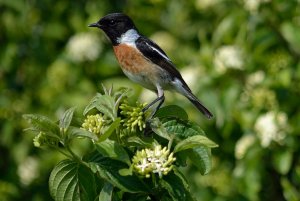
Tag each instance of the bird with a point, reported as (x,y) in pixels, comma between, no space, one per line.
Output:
(144,62)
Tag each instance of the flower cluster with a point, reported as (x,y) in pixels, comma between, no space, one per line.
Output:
(271,126)
(81,47)
(94,123)
(157,161)
(133,116)
(42,139)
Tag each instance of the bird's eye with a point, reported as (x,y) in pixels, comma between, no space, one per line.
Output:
(112,22)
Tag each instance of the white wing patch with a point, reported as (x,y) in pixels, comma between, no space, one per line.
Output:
(129,37)
(159,52)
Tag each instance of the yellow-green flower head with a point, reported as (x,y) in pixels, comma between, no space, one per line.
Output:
(93,123)
(133,116)
(157,160)
(42,139)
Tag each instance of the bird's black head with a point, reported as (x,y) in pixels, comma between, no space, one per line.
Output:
(114,25)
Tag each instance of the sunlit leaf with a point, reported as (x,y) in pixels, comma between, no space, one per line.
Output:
(66,119)
(106,192)
(194,141)
(104,104)
(110,130)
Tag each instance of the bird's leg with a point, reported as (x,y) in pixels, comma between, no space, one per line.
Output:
(152,103)
(148,128)
(160,99)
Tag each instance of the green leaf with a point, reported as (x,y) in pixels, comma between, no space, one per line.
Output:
(110,130)
(108,169)
(42,124)
(174,185)
(180,175)
(172,111)
(282,161)
(159,128)
(73,132)
(66,119)
(194,141)
(181,128)
(72,181)
(141,141)
(126,171)
(113,150)
(106,192)
(291,192)
(201,158)
(104,104)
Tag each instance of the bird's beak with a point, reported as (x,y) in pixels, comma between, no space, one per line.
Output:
(96,24)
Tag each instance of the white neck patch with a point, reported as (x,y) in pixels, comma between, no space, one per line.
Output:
(129,37)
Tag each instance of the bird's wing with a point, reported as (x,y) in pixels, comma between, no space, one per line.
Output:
(153,52)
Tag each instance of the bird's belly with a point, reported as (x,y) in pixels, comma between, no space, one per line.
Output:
(137,68)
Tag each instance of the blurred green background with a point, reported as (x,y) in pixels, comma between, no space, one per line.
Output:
(241,58)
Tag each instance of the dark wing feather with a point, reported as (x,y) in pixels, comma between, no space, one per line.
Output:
(153,52)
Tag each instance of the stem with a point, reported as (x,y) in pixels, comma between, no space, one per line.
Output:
(170,143)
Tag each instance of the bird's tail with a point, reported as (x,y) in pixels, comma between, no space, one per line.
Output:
(200,106)
(183,89)
(186,91)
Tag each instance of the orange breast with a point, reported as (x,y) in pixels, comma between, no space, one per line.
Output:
(131,60)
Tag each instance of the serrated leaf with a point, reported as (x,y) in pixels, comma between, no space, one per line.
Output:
(79,132)
(108,169)
(42,124)
(174,185)
(72,181)
(113,150)
(104,104)
(106,192)
(110,130)
(172,111)
(194,141)
(201,158)
(66,119)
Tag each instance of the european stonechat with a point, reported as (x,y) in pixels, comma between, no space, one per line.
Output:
(144,62)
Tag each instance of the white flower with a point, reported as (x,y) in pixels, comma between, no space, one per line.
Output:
(271,127)
(205,4)
(28,170)
(229,56)
(147,161)
(84,47)
(255,78)
(253,5)
(242,145)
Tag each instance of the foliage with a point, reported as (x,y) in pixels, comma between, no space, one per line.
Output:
(240,57)
(108,166)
